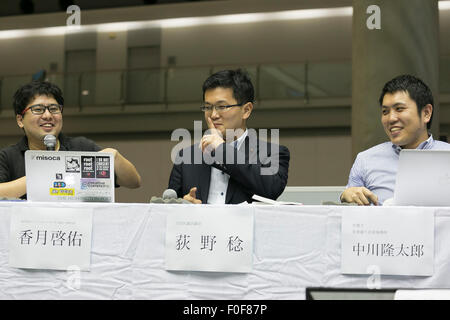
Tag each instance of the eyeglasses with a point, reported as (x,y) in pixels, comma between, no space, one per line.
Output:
(40,109)
(219,108)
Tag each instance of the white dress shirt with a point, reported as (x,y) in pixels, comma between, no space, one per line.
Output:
(219,180)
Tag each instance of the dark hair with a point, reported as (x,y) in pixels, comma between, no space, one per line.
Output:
(416,88)
(25,94)
(238,80)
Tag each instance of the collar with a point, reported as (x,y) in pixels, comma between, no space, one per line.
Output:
(238,142)
(427,144)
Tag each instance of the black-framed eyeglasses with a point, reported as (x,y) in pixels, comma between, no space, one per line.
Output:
(220,108)
(40,109)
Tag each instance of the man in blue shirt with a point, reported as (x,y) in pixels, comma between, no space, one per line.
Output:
(406,115)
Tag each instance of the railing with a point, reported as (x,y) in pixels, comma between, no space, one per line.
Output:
(164,86)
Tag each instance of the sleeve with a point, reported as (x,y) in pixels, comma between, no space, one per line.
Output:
(83,144)
(4,168)
(90,145)
(356,176)
(261,174)
(176,176)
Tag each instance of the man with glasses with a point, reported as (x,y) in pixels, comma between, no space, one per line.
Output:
(39,107)
(228,103)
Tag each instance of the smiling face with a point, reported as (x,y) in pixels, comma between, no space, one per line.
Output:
(402,122)
(231,118)
(36,127)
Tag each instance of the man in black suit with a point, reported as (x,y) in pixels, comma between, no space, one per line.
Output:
(230,164)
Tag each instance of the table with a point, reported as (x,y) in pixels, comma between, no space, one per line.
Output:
(294,247)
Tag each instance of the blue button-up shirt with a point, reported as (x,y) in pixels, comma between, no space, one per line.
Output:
(376,168)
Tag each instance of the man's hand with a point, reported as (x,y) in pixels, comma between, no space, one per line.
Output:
(191,196)
(125,171)
(111,150)
(360,195)
(212,140)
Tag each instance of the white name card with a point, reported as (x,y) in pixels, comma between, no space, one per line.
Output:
(388,240)
(50,238)
(210,238)
(422,294)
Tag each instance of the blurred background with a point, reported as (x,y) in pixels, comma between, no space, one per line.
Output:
(132,73)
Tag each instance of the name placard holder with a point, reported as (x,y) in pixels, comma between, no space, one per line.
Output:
(50,238)
(209,238)
(389,241)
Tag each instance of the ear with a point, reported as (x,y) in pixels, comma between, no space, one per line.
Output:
(19,119)
(427,111)
(247,109)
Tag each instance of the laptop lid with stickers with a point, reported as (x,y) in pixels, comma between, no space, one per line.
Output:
(79,176)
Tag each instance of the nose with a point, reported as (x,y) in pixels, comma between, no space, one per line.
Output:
(393,116)
(215,113)
(47,114)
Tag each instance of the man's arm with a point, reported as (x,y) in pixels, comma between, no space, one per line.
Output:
(13,189)
(356,191)
(175,179)
(257,176)
(10,188)
(125,171)
(264,179)
(176,182)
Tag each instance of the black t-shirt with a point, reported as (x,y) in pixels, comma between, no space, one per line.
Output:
(12,158)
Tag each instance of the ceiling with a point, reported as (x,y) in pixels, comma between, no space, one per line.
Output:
(22,7)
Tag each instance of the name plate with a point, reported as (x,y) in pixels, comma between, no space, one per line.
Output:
(50,238)
(210,238)
(389,241)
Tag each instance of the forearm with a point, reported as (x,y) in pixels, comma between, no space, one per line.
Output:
(261,174)
(13,189)
(126,173)
(175,180)
(251,177)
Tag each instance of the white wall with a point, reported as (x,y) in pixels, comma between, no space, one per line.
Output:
(263,42)
(28,55)
(444,32)
(111,50)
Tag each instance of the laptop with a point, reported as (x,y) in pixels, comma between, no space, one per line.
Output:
(423,178)
(79,176)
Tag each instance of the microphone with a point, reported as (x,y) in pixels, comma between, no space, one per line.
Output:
(50,142)
(169,196)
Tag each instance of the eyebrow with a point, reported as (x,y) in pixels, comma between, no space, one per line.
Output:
(395,105)
(217,102)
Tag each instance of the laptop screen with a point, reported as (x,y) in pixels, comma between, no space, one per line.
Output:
(423,178)
(79,176)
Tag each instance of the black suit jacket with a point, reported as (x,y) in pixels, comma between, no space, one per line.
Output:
(257,168)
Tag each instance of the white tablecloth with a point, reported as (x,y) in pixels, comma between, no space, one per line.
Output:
(294,248)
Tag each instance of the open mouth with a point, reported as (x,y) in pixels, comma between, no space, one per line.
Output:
(47,126)
(395,131)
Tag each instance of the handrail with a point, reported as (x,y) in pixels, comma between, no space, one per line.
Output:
(303,81)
